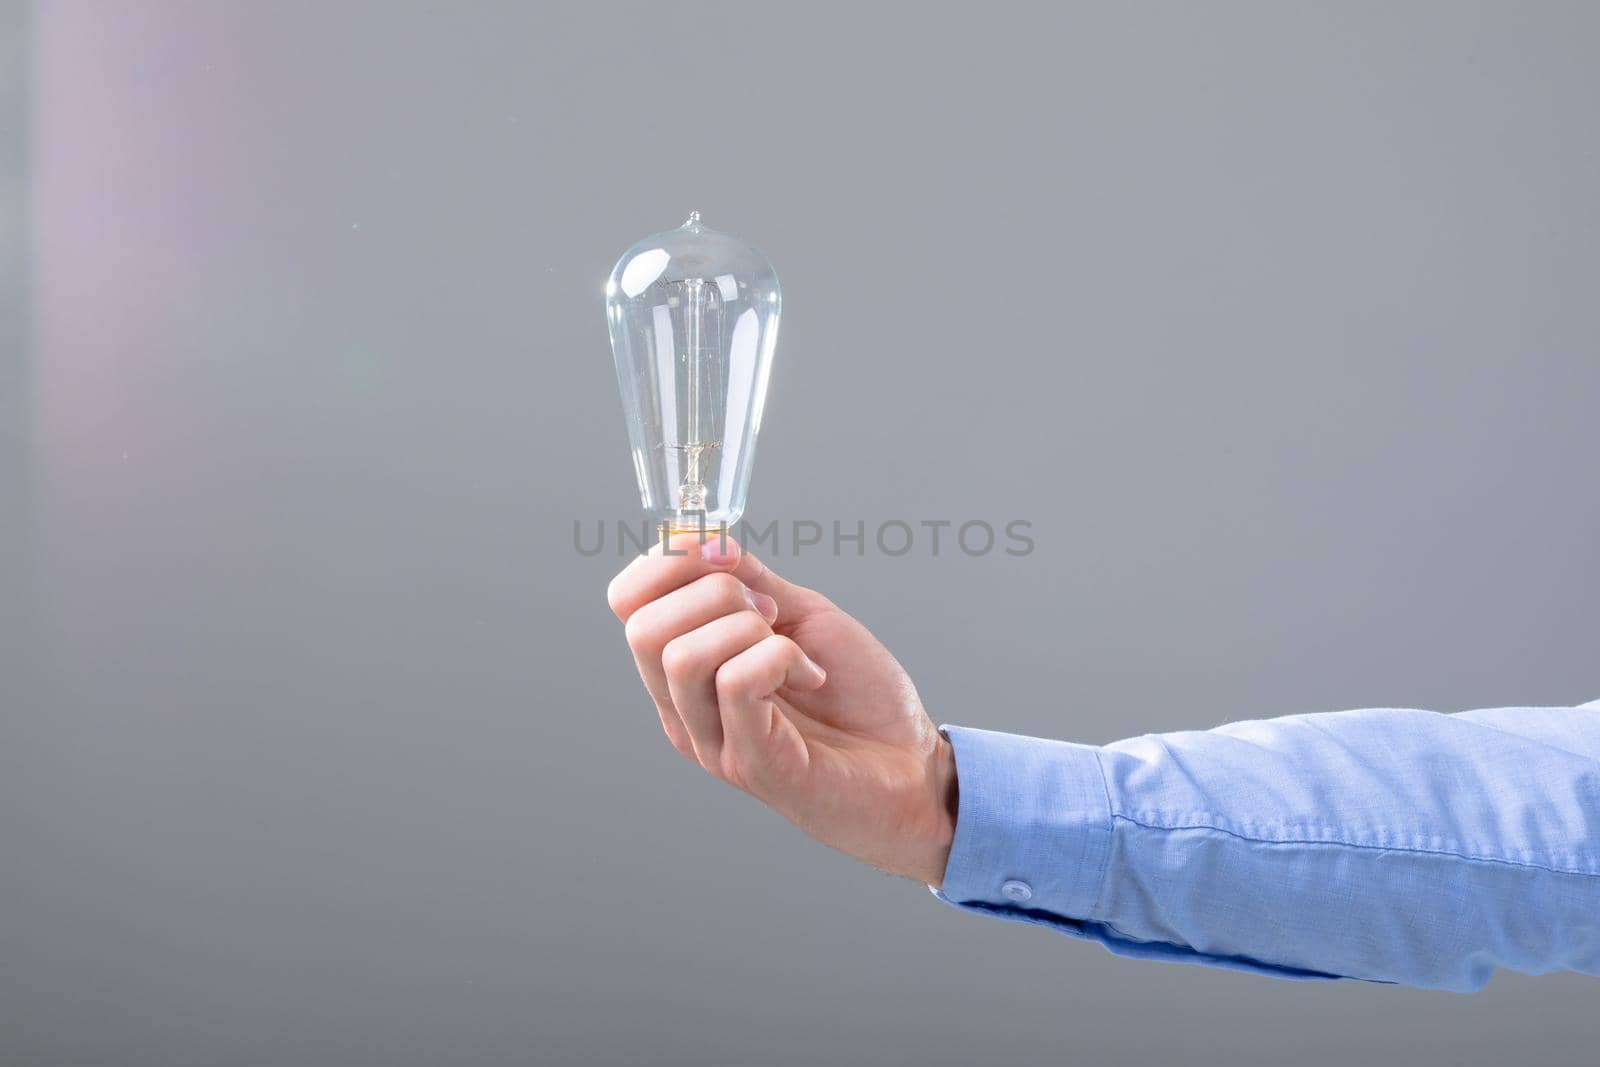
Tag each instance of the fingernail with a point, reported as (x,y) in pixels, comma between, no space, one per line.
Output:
(765,606)
(815,668)
(719,550)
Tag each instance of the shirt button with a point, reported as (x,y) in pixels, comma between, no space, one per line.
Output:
(1019,891)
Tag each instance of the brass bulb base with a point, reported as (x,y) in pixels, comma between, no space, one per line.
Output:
(667,530)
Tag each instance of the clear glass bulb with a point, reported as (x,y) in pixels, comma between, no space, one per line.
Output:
(694,319)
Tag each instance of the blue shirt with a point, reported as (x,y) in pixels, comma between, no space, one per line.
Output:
(1389,845)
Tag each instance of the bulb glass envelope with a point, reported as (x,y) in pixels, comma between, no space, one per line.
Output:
(693,315)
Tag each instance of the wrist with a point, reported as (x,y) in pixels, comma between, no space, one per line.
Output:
(942,802)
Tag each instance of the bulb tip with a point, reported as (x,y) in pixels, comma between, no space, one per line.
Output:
(694,219)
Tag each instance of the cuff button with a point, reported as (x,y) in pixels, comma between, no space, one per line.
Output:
(1017,891)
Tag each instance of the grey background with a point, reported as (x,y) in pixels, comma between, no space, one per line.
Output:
(319,745)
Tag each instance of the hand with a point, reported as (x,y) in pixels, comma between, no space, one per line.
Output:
(773,689)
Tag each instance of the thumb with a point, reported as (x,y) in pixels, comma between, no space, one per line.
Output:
(794,601)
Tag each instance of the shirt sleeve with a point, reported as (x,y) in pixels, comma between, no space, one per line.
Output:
(1390,845)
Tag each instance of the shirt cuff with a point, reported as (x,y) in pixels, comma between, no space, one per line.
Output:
(1033,824)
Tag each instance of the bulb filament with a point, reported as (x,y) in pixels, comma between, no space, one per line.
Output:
(692,491)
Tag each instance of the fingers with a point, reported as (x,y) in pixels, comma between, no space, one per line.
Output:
(686,558)
(713,605)
(664,569)
(722,678)
(690,663)
(652,627)
(794,601)
(760,746)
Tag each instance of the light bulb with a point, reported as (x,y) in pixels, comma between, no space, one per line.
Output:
(693,315)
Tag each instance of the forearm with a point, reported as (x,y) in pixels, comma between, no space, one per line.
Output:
(1391,845)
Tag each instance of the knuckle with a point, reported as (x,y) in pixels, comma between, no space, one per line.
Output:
(730,680)
(752,627)
(638,631)
(679,657)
